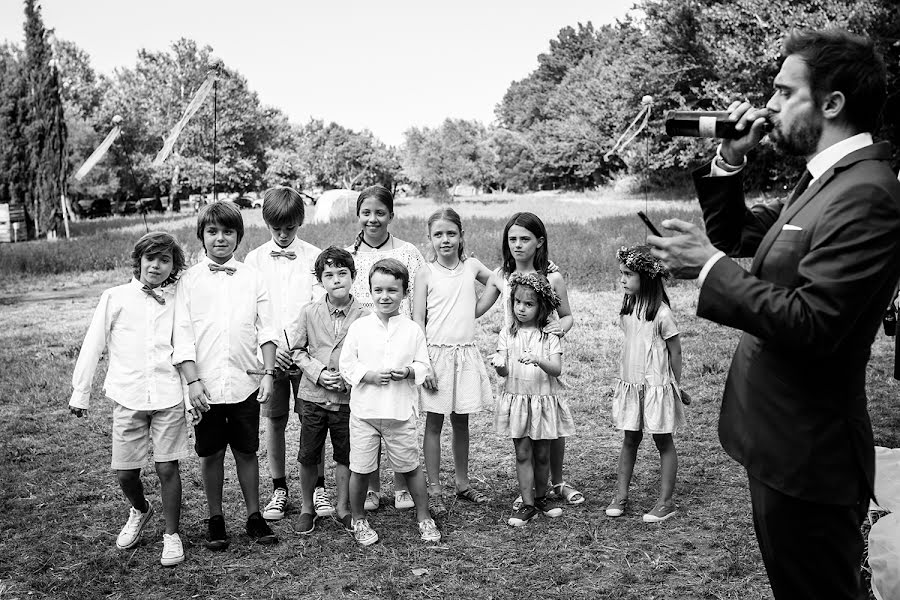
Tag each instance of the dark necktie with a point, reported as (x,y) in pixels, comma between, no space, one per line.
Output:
(214,267)
(800,188)
(149,291)
(288,254)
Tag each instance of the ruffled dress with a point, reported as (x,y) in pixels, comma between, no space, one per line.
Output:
(462,380)
(530,405)
(406,253)
(646,396)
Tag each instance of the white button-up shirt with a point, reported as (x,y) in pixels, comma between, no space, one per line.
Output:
(291,283)
(372,346)
(220,321)
(137,332)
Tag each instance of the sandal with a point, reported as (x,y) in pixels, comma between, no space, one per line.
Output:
(472,495)
(565,491)
(436,505)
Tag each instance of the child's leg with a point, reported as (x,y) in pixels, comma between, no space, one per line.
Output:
(212,471)
(275,446)
(525,469)
(668,466)
(557,454)
(416,482)
(375,482)
(359,485)
(308,476)
(540,450)
(460,424)
(342,482)
(627,458)
(247,467)
(313,429)
(434,422)
(130,482)
(170,490)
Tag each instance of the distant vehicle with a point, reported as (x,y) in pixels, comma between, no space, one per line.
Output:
(91,208)
(150,204)
(244,201)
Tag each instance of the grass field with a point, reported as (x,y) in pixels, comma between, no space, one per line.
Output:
(61,509)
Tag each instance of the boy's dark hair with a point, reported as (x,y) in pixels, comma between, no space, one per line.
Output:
(380,193)
(839,61)
(532,223)
(391,266)
(223,214)
(334,257)
(283,207)
(153,244)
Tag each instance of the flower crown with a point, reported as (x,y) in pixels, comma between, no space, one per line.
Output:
(640,260)
(539,284)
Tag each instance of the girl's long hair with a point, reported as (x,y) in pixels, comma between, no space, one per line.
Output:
(649,298)
(544,309)
(532,223)
(380,193)
(448,214)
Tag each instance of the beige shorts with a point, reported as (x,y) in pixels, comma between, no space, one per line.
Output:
(401,444)
(133,430)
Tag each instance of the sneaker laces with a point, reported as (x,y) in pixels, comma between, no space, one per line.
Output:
(428,527)
(133,524)
(321,499)
(172,545)
(279,499)
(404,496)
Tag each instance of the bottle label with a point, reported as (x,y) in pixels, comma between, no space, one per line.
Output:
(707,127)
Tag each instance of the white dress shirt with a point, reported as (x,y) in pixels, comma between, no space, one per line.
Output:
(372,346)
(137,332)
(816,166)
(291,283)
(220,321)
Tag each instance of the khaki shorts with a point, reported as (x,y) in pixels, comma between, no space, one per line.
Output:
(133,430)
(401,444)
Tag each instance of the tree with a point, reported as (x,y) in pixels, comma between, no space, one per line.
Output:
(14,159)
(438,159)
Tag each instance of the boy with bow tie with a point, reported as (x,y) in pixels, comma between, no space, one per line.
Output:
(134,322)
(222,316)
(286,265)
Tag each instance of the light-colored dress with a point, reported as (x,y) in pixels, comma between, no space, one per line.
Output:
(646,397)
(462,380)
(406,253)
(530,405)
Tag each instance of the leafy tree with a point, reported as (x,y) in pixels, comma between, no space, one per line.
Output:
(14,166)
(441,158)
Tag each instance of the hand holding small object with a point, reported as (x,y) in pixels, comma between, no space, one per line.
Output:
(498,361)
(398,374)
(283,359)
(529,358)
(194,416)
(198,395)
(684,254)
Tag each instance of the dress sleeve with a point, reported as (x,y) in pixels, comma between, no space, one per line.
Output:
(666,325)
(554,344)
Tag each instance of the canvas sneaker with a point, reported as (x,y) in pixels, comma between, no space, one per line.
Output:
(660,512)
(363,534)
(429,531)
(173,551)
(521,517)
(372,501)
(548,509)
(131,532)
(403,500)
(616,508)
(216,537)
(275,509)
(259,530)
(322,502)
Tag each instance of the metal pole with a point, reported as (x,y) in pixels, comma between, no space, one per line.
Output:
(215,135)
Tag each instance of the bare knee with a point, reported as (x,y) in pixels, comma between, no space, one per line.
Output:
(633,439)
(524,452)
(168,470)
(541,452)
(459,421)
(664,442)
(128,476)
(434,422)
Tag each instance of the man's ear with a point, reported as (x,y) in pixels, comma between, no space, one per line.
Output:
(833,104)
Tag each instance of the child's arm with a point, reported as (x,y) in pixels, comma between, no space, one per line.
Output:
(498,360)
(91,349)
(198,398)
(489,295)
(566,320)
(482,273)
(267,383)
(673,345)
(550,364)
(420,314)
(420,367)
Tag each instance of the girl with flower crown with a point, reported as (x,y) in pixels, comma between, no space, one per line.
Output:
(530,410)
(647,396)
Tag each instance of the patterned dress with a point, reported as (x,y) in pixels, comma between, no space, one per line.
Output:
(406,253)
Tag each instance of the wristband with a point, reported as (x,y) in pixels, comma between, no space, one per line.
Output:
(408,373)
(194,381)
(269,372)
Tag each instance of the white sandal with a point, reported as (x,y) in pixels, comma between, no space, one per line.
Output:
(559,492)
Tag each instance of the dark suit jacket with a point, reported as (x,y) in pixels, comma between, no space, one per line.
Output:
(794,407)
(317,348)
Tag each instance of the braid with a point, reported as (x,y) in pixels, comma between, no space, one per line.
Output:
(358,243)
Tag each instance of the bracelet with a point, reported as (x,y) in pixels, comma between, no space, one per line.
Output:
(194,381)
(725,165)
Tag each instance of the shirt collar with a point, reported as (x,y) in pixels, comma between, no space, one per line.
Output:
(232,262)
(831,155)
(333,309)
(294,246)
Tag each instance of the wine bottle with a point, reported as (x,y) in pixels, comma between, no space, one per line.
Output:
(703,123)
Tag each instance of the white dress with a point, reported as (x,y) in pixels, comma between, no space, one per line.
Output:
(406,253)
(458,367)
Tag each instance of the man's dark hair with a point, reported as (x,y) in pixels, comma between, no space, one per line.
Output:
(839,61)
(334,257)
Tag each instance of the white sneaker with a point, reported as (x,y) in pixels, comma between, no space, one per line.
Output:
(173,551)
(372,501)
(363,534)
(403,500)
(322,502)
(274,510)
(429,531)
(131,533)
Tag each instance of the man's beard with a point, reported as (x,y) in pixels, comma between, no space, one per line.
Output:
(803,139)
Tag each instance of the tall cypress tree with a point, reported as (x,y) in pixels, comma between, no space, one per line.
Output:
(14,159)
(46,129)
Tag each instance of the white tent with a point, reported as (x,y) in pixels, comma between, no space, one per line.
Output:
(334,204)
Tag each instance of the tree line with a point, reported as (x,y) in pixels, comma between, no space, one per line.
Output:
(553,129)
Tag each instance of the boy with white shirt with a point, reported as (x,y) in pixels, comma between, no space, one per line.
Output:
(222,316)
(134,323)
(286,263)
(384,358)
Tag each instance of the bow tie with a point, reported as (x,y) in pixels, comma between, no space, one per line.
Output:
(214,267)
(149,291)
(289,254)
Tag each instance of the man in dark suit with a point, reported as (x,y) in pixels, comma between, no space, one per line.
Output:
(825,264)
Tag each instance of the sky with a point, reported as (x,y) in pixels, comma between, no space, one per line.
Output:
(384,66)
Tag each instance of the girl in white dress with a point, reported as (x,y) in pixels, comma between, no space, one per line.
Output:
(647,396)
(444,306)
(375,210)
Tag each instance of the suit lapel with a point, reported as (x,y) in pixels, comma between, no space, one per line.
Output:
(352,314)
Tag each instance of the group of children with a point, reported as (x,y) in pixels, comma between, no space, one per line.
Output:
(362,338)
